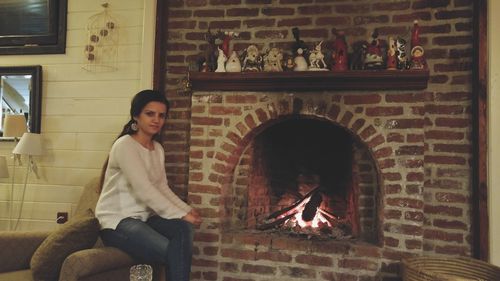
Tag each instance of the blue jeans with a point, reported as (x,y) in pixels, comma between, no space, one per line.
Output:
(159,240)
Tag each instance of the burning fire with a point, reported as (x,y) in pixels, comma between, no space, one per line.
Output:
(318,220)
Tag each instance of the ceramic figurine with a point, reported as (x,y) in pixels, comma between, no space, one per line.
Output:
(373,57)
(289,65)
(401,58)
(298,44)
(273,60)
(316,58)
(339,54)
(299,61)
(417,58)
(252,59)
(357,61)
(391,54)
(221,61)
(226,38)
(415,34)
(210,52)
(233,64)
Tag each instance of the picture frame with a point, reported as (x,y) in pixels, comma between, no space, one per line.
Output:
(33,27)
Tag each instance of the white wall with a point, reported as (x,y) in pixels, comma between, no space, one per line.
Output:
(494,129)
(82,112)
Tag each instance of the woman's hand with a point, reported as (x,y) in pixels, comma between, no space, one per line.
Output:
(193,217)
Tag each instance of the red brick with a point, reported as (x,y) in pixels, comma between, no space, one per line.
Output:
(451,197)
(414,216)
(362,264)
(278,11)
(406,123)
(405,203)
(259,23)
(225,24)
(352,8)
(383,152)
(410,150)
(196,3)
(391,176)
(210,13)
(443,184)
(259,269)
(453,14)
(384,111)
(449,224)
(452,122)
(411,17)
(451,40)
(242,12)
(314,10)
(238,254)
(392,214)
(294,22)
(387,163)
(456,148)
(314,260)
(395,137)
(423,4)
(452,160)
(391,242)
(444,135)
(357,125)
(406,98)
(392,189)
(274,256)
(332,21)
(434,234)
(346,118)
(453,250)
(413,244)
(362,99)
(368,19)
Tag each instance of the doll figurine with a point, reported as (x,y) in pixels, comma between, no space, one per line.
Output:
(417,58)
(273,60)
(221,60)
(339,54)
(373,57)
(233,63)
(316,58)
(391,54)
(401,58)
(299,61)
(252,59)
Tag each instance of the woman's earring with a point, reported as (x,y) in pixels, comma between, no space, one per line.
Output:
(133,126)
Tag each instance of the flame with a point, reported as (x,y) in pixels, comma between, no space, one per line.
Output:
(319,217)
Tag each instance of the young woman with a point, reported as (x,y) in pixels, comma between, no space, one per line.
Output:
(138,212)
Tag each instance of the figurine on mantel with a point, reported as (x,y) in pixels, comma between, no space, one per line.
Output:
(221,61)
(273,60)
(391,54)
(417,51)
(210,61)
(373,57)
(401,58)
(316,59)
(339,54)
(252,59)
(299,44)
(233,63)
(299,61)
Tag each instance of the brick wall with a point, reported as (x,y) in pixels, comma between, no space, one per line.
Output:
(420,140)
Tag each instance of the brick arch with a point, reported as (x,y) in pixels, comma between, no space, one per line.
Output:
(236,141)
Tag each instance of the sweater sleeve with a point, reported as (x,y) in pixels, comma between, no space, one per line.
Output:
(133,168)
(165,188)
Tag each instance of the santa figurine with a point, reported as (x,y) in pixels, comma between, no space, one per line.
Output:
(417,58)
(339,54)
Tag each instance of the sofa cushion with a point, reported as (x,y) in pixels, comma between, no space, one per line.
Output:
(79,233)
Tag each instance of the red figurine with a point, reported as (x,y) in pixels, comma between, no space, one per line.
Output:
(417,51)
(391,54)
(339,54)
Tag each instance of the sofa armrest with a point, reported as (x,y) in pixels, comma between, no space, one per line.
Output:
(93,261)
(18,247)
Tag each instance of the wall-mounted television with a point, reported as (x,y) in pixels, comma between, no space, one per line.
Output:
(33,27)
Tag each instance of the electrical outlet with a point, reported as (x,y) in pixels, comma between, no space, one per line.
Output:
(62,217)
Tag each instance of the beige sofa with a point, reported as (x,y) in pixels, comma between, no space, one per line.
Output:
(96,264)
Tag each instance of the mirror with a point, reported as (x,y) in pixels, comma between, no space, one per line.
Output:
(21,94)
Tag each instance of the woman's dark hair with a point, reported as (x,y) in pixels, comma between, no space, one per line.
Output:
(139,101)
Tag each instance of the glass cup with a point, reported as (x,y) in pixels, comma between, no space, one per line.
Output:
(141,272)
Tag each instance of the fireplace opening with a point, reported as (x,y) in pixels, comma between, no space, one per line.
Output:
(310,177)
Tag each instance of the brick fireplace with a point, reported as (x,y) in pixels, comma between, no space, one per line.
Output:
(407,187)
(406,195)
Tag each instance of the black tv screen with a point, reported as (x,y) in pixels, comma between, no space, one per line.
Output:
(32,26)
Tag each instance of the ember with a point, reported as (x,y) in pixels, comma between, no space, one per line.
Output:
(306,216)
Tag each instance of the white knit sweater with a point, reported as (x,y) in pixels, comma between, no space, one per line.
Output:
(135,185)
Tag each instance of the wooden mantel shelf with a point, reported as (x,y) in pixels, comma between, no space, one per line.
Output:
(310,80)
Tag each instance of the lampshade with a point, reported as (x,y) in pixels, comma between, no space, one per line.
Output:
(4,171)
(29,144)
(14,125)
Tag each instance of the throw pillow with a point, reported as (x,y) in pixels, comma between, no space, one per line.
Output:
(77,234)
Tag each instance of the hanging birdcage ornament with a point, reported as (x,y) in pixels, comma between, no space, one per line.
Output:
(101,50)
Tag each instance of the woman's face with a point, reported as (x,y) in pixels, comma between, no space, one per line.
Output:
(151,119)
